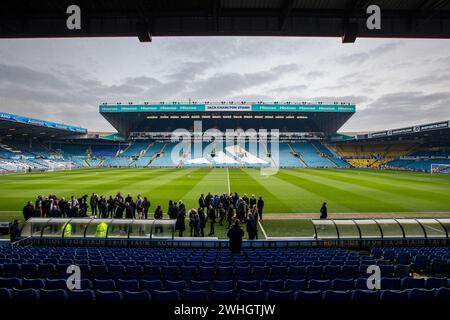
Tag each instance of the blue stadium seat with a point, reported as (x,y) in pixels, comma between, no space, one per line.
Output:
(250,295)
(46,271)
(170,272)
(321,285)
(151,272)
(387,271)
(10,283)
(365,295)
(349,271)
(151,285)
(267,285)
(243,273)
(224,273)
(171,295)
(54,295)
(5,294)
(205,273)
(295,285)
(54,284)
(391,284)
(29,270)
(308,295)
(188,272)
(394,295)
(421,295)
(223,285)
(343,284)
(314,272)
(104,285)
(439,267)
(134,272)
(82,295)
(261,273)
(442,294)
(216,295)
(296,272)
(143,295)
(332,295)
(28,295)
(10,270)
(403,258)
(194,295)
(117,271)
(278,272)
(99,272)
(251,285)
(411,283)
(175,285)
(420,263)
(402,270)
(199,285)
(33,284)
(127,285)
(277,295)
(109,295)
(432,282)
(332,271)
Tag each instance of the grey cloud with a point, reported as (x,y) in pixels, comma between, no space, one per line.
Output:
(402,109)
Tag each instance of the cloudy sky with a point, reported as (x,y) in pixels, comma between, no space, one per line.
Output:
(394,83)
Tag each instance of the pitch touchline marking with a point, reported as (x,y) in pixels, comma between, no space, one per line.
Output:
(262,229)
(228,178)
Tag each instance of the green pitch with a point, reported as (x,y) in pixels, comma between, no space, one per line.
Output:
(289,193)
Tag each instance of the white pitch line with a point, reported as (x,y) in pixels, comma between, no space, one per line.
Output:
(228,178)
(262,229)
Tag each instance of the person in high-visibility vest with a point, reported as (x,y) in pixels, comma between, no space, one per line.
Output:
(101,230)
(67,230)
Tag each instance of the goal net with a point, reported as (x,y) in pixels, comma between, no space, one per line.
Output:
(440,168)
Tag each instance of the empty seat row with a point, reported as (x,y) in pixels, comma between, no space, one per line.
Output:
(441,294)
(224,285)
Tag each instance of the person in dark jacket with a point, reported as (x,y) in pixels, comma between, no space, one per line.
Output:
(158,216)
(129,212)
(103,207)
(202,202)
(94,203)
(324,211)
(235,234)
(118,214)
(251,227)
(212,219)
(252,201)
(202,221)
(28,211)
(14,230)
(146,205)
(230,215)
(111,207)
(260,206)
(179,225)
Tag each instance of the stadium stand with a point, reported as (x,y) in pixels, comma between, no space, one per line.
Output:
(216,274)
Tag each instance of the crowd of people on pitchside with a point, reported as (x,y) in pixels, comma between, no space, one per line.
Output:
(212,209)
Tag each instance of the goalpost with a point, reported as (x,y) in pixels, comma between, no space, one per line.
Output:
(437,168)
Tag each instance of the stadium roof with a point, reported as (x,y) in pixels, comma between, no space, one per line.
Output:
(145,19)
(14,126)
(436,132)
(287,116)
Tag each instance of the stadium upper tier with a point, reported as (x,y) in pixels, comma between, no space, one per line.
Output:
(171,154)
(321,118)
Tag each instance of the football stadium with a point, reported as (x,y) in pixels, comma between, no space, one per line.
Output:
(224,201)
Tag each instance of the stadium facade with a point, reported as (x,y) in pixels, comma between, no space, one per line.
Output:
(305,135)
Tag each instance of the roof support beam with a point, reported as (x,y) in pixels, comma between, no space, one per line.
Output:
(286,10)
